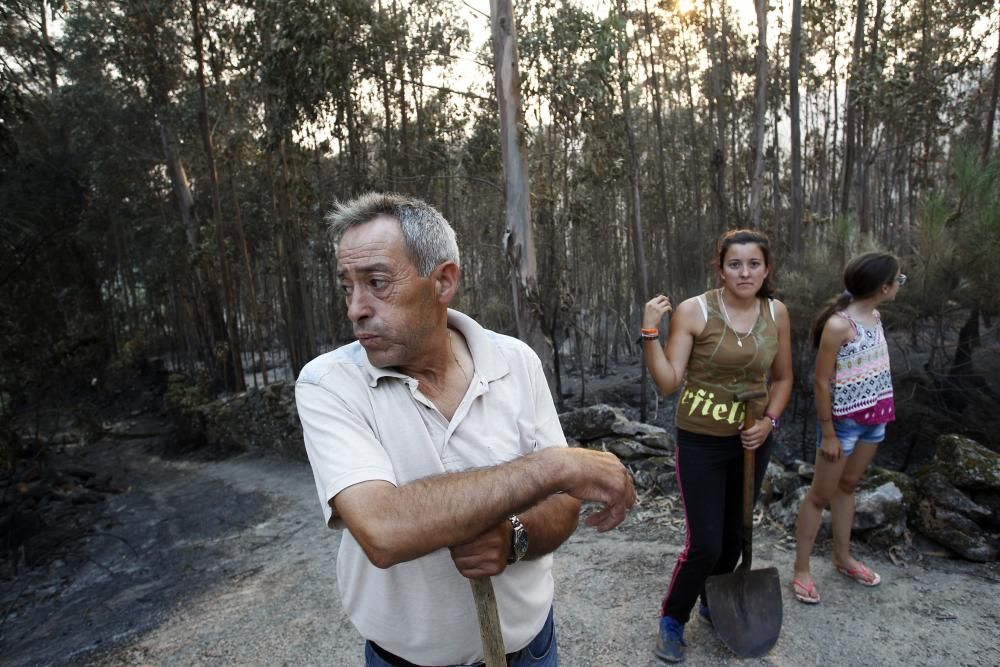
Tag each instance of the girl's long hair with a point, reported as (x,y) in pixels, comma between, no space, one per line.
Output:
(864,276)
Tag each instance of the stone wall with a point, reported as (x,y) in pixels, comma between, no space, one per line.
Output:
(257,419)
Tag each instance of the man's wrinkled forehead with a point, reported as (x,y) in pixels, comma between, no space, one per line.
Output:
(372,247)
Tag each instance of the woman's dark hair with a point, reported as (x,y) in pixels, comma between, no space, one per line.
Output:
(864,276)
(739,237)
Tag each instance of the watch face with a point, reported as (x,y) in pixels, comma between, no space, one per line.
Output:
(520,543)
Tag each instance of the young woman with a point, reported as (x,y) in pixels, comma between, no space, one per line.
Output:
(727,341)
(854,402)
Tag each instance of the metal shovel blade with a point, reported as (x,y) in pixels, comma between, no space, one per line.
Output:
(746,609)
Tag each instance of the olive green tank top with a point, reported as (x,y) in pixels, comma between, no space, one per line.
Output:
(723,364)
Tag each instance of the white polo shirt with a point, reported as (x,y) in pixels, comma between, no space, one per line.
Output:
(363,423)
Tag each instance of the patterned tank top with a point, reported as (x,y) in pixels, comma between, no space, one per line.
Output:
(723,364)
(862,385)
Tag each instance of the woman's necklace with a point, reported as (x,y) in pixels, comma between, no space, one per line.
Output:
(739,338)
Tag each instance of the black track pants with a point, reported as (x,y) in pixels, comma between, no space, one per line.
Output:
(710,479)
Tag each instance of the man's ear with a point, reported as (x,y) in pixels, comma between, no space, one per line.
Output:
(445,277)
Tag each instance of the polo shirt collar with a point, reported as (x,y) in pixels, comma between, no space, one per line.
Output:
(490,363)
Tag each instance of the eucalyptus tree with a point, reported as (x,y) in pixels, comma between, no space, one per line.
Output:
(760,110)
(519,242)
(795,120)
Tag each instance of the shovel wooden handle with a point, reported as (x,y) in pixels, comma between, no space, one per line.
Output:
(748,475)
(489,622)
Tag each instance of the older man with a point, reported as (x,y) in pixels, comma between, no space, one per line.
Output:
(435,442)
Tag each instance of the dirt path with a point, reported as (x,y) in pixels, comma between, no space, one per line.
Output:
(227,562)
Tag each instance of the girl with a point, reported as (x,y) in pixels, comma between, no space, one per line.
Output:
(723,342)
(854,402)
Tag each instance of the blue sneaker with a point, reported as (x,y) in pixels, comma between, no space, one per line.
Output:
(670,642)
(704,613)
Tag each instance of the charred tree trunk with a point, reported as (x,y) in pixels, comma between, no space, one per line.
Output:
(518,240)
(798,198)
(641,276)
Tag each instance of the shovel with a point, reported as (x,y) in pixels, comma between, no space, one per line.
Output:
(746,604)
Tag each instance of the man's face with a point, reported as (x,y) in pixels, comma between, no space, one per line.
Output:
(393,309)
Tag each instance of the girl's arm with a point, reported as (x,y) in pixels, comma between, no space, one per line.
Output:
(668,364)
(781,382)
(836,332)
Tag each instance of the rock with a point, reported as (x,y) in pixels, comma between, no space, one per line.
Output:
(786,510)
(991,501)
(604,421)
(778,483)
(655,474)
(967,464)
(954,531)
(626,448)
(942,494)
(877,476)
(889,535)
(877,507)
(805,470)
(591,422)
(652,437)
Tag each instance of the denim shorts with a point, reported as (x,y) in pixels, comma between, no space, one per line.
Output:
(849,432)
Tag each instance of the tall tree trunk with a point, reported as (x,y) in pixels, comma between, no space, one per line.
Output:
(694,182)
(798,198)
(518,240)
(851,105)
(641,277)
(718,158)
(233,349)
(51,57)
(760,111)
(865,152)
(661,171)
(992,112)
(302,332)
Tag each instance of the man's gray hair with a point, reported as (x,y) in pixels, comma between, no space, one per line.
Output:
(428,237)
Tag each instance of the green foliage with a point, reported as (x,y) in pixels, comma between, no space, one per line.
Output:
(957,241)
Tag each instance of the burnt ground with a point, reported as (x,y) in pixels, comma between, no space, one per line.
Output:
(197,557)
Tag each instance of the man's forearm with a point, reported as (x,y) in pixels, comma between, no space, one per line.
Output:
(550,523)
(396,524)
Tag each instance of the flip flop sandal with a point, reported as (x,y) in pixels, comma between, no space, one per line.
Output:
(862,575)
(810,596)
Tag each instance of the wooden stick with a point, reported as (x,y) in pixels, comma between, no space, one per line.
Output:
(489,622)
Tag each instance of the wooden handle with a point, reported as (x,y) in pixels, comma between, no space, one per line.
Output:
(748,470)
(748,475)
(489,622)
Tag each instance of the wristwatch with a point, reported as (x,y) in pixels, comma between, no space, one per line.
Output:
(518,540)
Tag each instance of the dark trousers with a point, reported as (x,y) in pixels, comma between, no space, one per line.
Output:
(710,479)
